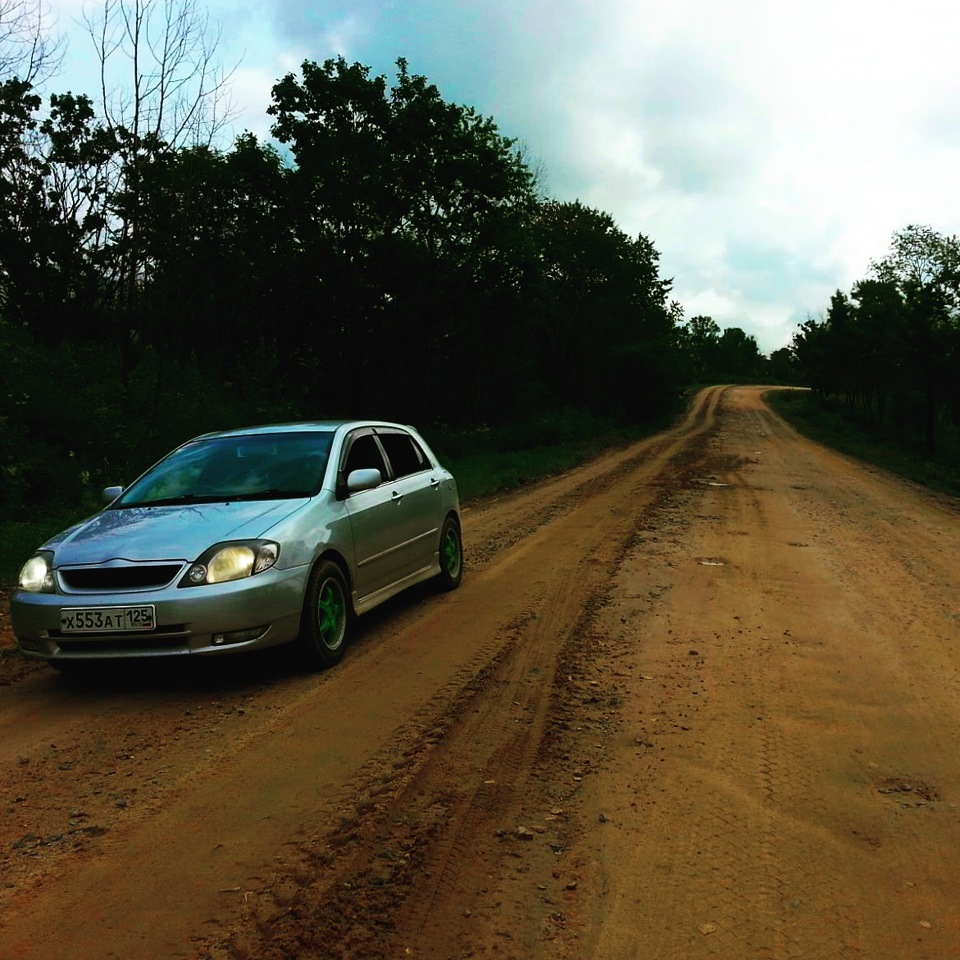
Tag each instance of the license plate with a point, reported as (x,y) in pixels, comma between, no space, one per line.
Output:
(107,619)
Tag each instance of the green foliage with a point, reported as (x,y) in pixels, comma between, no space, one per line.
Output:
(410,215)
(600,306)
(552,428)
(782,368)
(891,349)
(712,355)
(479,475)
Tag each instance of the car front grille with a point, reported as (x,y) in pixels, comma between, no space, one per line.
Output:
(132,577)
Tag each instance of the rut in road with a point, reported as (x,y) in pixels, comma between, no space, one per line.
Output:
(429,851)
(785,783)
(727,724)
(216,805)
(696,699)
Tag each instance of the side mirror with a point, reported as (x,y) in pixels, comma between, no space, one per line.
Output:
(367,479)
(111,493)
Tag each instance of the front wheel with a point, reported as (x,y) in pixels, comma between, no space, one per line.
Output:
(326,616)
(451,555)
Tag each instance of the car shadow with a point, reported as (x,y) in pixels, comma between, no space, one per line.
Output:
(201,675)
(236,673)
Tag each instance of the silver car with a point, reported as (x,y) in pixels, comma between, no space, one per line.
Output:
(245,539)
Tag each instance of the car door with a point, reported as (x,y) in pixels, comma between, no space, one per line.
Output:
(376,520)
(416,483)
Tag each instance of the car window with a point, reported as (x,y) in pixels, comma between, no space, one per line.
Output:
(364,454)
(404,453)
(250,467)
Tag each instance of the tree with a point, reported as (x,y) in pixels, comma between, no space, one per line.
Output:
(216,231)
(161,88)
(27,51)
(924,267)
(700,339)
(713,355)
(51,209)
(783,366)
(738,357)
(601,311)
(408,214)
(879,350)
(894,342)
(160,79)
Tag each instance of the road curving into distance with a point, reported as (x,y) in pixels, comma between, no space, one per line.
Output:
(700,697)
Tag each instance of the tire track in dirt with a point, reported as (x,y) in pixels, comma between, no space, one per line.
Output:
(789,707)
(767,798)
(288,786)
(525,685)
(459,808)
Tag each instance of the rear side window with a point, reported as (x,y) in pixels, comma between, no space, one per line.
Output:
(404,452)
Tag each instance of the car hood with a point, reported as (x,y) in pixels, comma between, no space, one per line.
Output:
(166,533)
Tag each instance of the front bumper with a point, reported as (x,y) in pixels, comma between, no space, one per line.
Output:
(189,620)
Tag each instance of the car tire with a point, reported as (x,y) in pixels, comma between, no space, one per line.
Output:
(451,555)
(327,616)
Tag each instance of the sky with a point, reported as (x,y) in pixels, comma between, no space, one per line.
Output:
(768,149)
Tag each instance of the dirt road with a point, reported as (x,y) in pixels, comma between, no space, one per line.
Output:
(700,698)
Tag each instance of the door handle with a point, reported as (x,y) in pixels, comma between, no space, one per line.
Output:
(396,497)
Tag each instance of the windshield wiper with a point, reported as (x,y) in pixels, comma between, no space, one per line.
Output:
(274,493)
(184,498)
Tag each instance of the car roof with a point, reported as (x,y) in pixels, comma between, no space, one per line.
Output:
(304,426)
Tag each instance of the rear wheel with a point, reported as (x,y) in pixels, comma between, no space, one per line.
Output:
(451,555)
(326,616)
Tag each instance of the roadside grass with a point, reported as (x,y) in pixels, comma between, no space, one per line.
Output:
(493,461)
(836,427)
(484,461)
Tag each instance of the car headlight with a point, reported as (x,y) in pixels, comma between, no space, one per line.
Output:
(231,561)
(36,575)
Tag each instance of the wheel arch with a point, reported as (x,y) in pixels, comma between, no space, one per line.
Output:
(329,553)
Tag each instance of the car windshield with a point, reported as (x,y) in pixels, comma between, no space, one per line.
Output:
(268,466)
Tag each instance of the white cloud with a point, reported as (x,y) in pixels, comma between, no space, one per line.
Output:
(730,130)
(250,95)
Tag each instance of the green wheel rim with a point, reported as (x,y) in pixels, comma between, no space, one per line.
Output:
(331,614)
(451,553)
